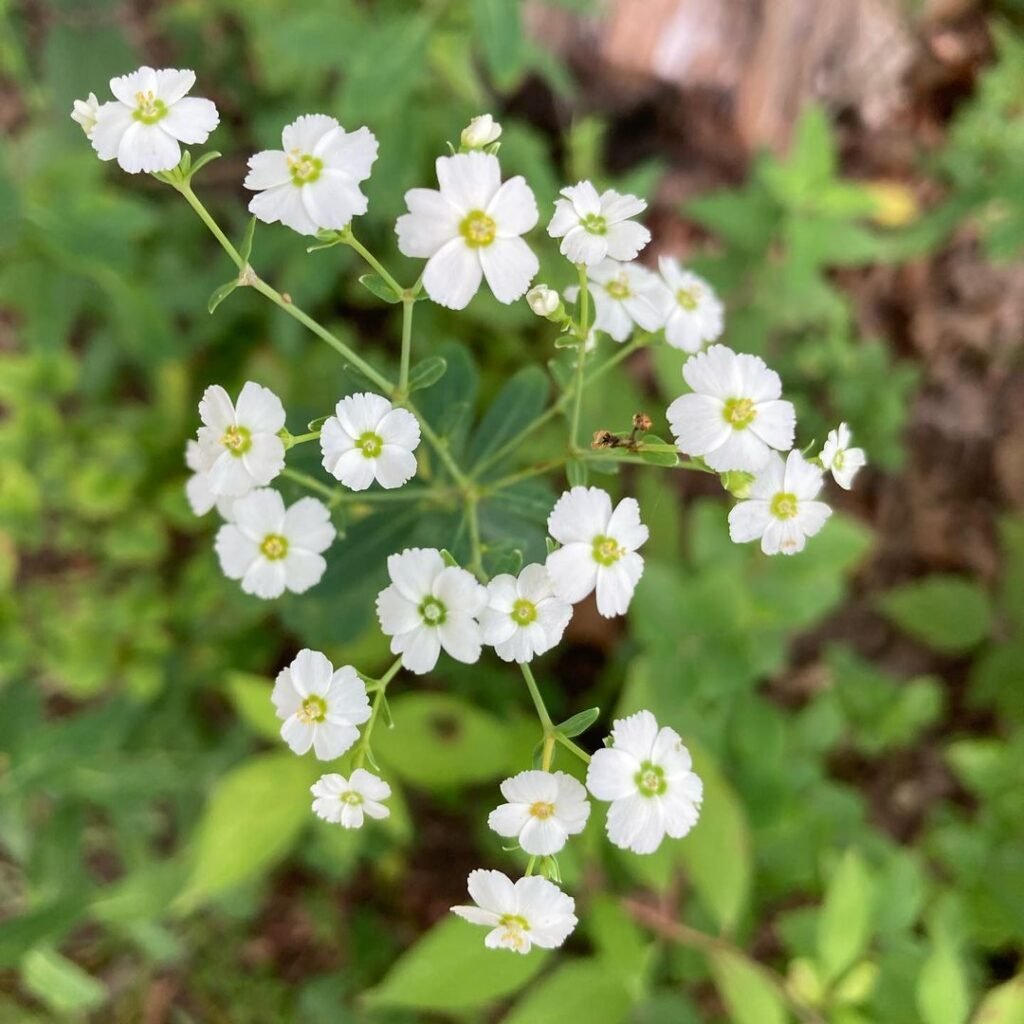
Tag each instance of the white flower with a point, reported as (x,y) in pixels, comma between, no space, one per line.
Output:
(470,229)
(197,488)
(598,548)
(624,294)
(735,415)
(593,227)
(523,617)
(345,802)
(481,131)
(368,439)
(271,549)
(313,181)
(530,912)
(152,115)
(693,312)
(544,301)
(543,810)
(320,708)
(239,444)
(84,113)
(647,775)
(781,509)
(430,605)
(840,458)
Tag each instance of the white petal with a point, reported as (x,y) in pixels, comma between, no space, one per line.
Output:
(191,120)
(742,450)
(303,569)
(469,180)
(264,459)
(147,147)
(267,170)
(636,734)
(493,891)
(431,222)
(513,208)
(215,409)
(369,785)
(396,613)
(584,198)
(125,87)
(616,207)
(611,774)
(616,583)
(420,648)
(453,274)
(573,571)
(414,570)
(474,915)
(200,498)
(775,424)
(394,466)
(259,513)
(283,204)
(307,525)
(353,469)
(714,372)
(171,84)
(460,637)
(265,579)
(509,266)
(580,246)
(508,819)
(311,673)
(811,516)
(305,132)
(259,409)
(399,427)
(580,514)
(636,824)
(351,152)
(543,837)
(235,551)
(625,240)
(698,423)
(625,526)
(347,700)
(564,219)
(362,412)
(112,121)
(459,591)
(285,696)
(756,381)
(783,536)
(298,735)
(332,200)
(802,478)
(331,741)
(748,520)
(770,478)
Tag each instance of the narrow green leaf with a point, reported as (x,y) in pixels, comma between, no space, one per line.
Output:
(746,989)
(664,455)
(941,991)
(576,472)
(199,164)
(220,294)
(60,983)
(245,249)
(428,372)
(519,402)
(579,723)
(844,924)
(1003,1004)
(378,286)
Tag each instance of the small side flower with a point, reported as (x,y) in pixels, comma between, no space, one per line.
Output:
(543,810)
(524,617)
(625,295)
(842,461)
(694,316)
(594,227)
(482,131)
(348,802)
(83,113)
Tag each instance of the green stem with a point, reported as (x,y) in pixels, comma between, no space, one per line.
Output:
(476,559)
(574,748)
(408,302)
(538,700)
(337,495)
(440,446)
(352,242)
(523,474)
(635,459)
(293,439)
(581,355)
(378,701)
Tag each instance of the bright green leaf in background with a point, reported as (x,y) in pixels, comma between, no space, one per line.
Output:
(581,990)
(948,613)
(844,924)
(747,990)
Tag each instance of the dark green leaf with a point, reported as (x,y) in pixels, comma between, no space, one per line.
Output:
(375,284)
(579,723)
(427,372)
(220,294)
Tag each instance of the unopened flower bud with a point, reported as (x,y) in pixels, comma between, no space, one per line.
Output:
(544,301)
(481,131)
(642,422)
(604,439)
(84,113)
(737,483)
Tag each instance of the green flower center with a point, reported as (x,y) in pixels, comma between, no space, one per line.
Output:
(650,780)
(237,440)
(838,459)
(524,612)
(607,550)
(148,109)
(618,288)
(784,506)
(542,809)
(739,413)
(432,611)
(304,167)
(687,298)
(594,224)
(370,444)
(514,926)
(313,709)
(350,796)
(274,547)
(478,229)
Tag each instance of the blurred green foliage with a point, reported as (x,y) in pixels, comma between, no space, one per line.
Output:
(151,823)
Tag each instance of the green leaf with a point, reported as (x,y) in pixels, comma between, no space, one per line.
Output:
(250,822)
(844,924)
(245,249)
(378,286)
(579,723)
(50,921)
(250,696)
(498,30)
(588,990)
(449,968)
(518,404)
(440,741)
(427,372)
(948,613)
(658,457)
(198,165)
(576,472)
(941,991)
(60,983)
(746,989)
(220,294)
(1003,1004)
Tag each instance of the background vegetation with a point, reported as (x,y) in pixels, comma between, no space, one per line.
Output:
(856,712)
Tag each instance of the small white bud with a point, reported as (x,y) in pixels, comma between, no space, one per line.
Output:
(481,131)
(84,113)
(544,301)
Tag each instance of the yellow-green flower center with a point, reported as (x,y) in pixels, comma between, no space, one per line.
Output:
(739,413)
(478,229)
(370,444)
(784,506)
(514,925)
(594,224)
(237,440)
(148,109)
(618,287)
(350,796)
(542,809)
(524,612)
(313,709)
(607,550)
(650,780)
(304,167)
(274,547)
(687,298)
(838,459)
(432,611)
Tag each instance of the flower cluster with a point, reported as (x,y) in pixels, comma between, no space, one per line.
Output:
(732,421)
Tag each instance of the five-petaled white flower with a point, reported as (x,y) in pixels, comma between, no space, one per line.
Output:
(368,439)
(593,227)
(624,294)
(543,810)
(693,312)
(83,112)
(272,549)
(152,115)
(320,708)
(598,548)
(529,912)
(647,775)
(840,459)
(735,415)
(470,229)
(313,182)
(346,802)
(430,605)
(197,488)
(481,131)
(781,509)
(523,617)
(239,443)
